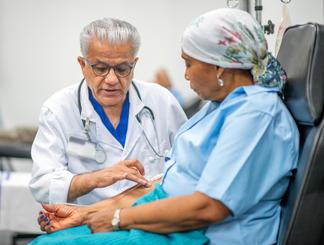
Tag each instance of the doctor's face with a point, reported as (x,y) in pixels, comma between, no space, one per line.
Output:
(108,70)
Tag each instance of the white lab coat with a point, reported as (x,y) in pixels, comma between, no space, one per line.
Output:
(53,169)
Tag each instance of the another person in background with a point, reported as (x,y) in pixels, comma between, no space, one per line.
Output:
(230,164)
(100,137)
(162,77)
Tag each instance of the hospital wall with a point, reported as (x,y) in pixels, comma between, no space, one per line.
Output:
(39,43)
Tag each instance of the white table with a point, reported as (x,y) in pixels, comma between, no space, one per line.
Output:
(18,208)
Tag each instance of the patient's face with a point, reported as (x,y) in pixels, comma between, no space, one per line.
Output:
(203,78)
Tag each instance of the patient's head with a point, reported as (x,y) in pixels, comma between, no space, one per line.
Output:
(225,49)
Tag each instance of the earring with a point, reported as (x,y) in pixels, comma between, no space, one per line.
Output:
(220,82)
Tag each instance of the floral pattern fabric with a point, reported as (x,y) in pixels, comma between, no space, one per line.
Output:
(232,38)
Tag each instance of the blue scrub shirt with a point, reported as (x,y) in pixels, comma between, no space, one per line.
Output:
(240,152)
(120,132)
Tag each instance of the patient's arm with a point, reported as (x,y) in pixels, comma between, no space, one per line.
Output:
(55,217)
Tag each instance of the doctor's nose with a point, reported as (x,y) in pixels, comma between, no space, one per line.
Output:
(111,77)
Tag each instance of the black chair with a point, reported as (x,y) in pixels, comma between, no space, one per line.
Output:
(16,150)
(302,55)
(13,150)
(194,107)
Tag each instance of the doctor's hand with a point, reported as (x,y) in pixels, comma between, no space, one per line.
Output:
(127,169)
(56,217)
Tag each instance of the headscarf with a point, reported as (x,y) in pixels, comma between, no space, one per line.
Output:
(232,38)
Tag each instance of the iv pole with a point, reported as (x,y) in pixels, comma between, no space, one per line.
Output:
(269,28)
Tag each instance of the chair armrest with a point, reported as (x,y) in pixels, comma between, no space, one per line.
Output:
(16,150)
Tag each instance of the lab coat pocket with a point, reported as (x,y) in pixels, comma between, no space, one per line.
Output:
(79,165)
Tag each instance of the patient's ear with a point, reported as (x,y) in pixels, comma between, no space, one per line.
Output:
(219,71)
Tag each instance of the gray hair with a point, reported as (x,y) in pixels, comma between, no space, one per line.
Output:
(114,31)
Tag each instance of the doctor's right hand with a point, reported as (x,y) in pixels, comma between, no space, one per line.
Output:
(127,169)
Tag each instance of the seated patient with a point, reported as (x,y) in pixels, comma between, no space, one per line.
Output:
(230,163)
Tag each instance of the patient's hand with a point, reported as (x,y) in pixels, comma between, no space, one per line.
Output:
(56,217)
(100,221)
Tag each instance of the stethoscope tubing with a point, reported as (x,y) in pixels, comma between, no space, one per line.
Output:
(86,123)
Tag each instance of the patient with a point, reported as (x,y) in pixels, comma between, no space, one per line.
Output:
(230,164)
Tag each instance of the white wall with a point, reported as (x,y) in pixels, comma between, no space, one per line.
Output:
(301,12)
(39,45)
(39,42)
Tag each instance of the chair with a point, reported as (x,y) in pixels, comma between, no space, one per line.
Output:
(193,108)
(302,56)
(15,143)
(13,150)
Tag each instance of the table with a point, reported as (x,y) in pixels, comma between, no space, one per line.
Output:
(18,208)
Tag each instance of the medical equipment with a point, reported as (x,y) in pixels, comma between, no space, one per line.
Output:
(89,149)
(269,27)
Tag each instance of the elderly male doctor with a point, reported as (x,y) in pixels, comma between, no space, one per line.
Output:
(102,136)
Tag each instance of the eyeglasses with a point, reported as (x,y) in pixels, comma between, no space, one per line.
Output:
(102,69)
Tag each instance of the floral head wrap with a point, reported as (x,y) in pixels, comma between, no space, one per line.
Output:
(232,38)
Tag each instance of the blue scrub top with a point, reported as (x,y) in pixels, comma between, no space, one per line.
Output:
(120,132)
(240,152)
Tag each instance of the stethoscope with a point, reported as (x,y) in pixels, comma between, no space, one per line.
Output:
(100,154)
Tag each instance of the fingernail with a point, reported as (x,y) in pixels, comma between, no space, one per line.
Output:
(47,219)
(42,216)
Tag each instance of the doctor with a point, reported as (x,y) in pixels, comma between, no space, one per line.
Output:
(107,133)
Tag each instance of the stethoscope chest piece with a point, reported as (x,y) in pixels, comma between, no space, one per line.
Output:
(100,156)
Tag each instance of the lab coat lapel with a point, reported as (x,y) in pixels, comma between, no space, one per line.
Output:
(98,132)
(134,130)
(87,110)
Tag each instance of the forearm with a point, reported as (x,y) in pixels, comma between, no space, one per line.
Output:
(84,183)
(174,214)
(127,169)
(122,200)
(81,185)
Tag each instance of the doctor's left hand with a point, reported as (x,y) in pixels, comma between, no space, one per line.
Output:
(127,169)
